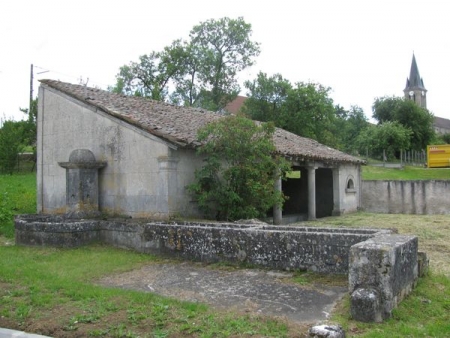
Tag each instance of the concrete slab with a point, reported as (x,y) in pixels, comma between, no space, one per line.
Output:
(270,293)
(7,333)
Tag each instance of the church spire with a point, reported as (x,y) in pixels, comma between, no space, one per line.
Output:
(415,89)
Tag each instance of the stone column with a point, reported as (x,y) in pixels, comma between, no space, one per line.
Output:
(82,184)
(168,185)
(337,192)
(277,209)
(311,192)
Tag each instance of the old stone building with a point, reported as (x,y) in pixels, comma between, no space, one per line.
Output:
(144,152)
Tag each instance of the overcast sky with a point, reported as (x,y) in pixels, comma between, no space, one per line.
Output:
(361,49)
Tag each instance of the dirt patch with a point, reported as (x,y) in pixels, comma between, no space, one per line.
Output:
(254,291)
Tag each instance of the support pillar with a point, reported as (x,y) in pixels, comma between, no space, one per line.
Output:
(312,193)
(277,209)
(337,193)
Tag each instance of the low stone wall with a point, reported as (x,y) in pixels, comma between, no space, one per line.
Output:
(383,270)
(382,267)
(279,247)
(406,197)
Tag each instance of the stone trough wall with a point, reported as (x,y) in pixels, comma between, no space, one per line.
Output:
(278,247)
(382,267)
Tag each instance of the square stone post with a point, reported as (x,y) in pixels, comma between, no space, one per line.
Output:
(311,192)
(277,209)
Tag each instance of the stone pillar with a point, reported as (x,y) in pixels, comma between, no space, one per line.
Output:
(82,184)
(277,209)
(311,192)
(168,185)
(338,187)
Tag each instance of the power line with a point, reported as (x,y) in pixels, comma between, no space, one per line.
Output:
(77,78)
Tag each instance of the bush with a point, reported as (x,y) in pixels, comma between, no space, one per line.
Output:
(237,180)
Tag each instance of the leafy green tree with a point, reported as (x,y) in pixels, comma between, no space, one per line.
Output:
(237,180)
(199,72)
(310,113)
(419,120)
(266,97)
(224,49)
(29,135)
(303,108)
(349,125)
(388,138)
(11,133)
(446,138)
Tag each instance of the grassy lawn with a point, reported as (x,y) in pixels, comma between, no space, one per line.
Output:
(407,173)
(52,291)
(17,196)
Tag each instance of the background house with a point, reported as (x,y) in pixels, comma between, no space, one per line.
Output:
(149,150)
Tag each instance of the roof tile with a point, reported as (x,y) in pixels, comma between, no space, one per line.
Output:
(179,125)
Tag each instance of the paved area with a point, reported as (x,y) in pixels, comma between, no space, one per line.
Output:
(270,293)
(6,333)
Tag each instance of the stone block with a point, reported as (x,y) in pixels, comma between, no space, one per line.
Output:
(386,263)
(422,263)
(327,331)
(365,306)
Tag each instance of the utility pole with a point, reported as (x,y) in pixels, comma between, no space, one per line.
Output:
(31,88)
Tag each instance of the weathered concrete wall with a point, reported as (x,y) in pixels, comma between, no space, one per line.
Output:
(144,176)
(279,247)
(383,270)
(406,197)
(346,189)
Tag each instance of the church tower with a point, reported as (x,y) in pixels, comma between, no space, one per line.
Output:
(415,90)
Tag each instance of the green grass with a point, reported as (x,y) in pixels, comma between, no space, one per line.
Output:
(407,173)
(55,287)
(52,291)
(426,311)
(17,196)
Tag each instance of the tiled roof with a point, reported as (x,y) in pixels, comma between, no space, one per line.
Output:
(179,125)
(235,106)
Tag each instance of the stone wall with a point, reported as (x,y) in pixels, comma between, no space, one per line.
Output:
(406,197)
(279,247)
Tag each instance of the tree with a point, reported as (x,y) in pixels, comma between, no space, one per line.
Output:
(11,133)
(199,72)
(224,49)
(29,135)
(386,138)
(310,113)
(419,120)
(237,180)
(266,97)
(349,125)
(304,109)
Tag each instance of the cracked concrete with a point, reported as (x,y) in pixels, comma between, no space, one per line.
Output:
(269,293)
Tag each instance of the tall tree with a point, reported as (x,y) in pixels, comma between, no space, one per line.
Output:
(303,108)
(349,125)
(266,97)
(407,113)
(199,72)
(11,133)
(310,113)
(224,48)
